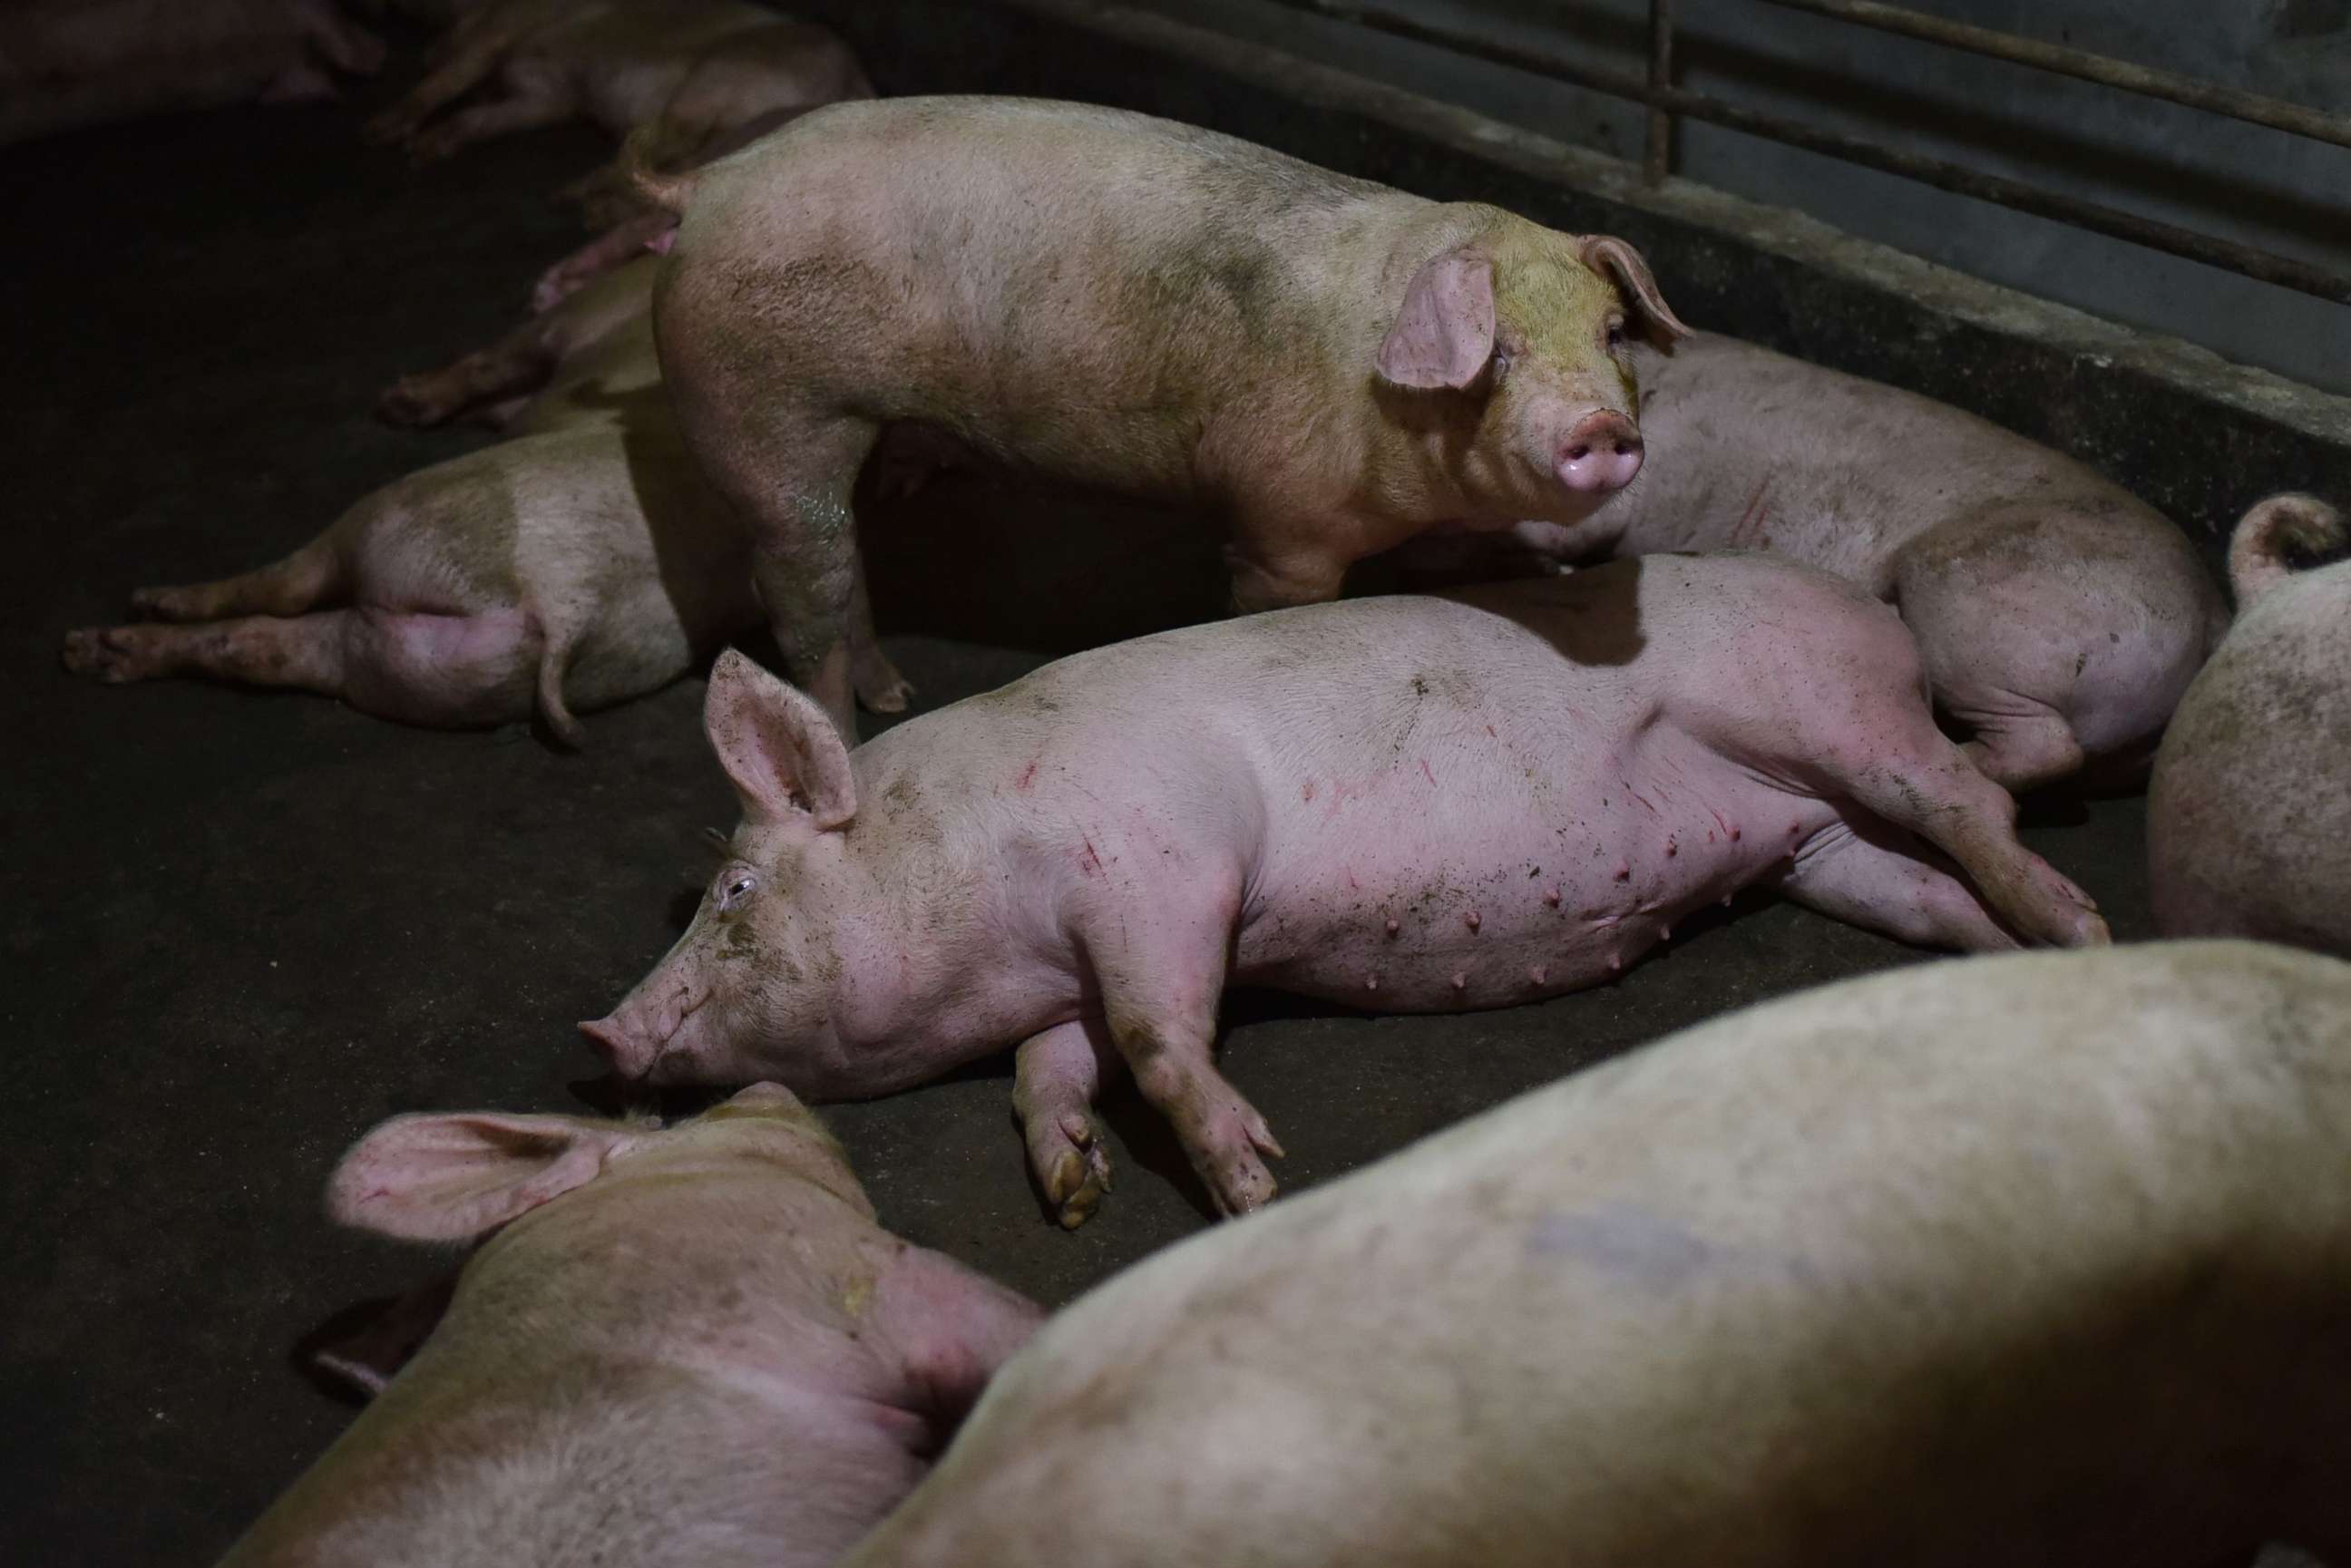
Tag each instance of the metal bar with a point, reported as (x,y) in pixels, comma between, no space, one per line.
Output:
(2278,114)
(1658,156)
(2266,267)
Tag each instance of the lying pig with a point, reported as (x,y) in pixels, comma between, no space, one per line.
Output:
(593,358)
(688,70)
(2249,816)
(68,63)
(2038,1261)
(1412,803)
(571,570)
(1137,305)
(2059,617)
(581,564)
(682,1346)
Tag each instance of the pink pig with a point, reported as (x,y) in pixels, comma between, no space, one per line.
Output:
(690,1346)
(1411,804)
(1332,366)
(2058,616)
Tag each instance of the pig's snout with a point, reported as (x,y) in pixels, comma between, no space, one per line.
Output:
(631,1052)
(1601,454)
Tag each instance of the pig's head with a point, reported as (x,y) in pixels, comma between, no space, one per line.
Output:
(753,988)
(1514,345)
(457,1176)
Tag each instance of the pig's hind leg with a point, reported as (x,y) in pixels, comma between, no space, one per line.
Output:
(1916,779)
(1871,875)
(1159,957)
(308,577)
(1053,1092)
(444,671)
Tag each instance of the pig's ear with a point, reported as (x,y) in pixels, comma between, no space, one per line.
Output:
(452,1177)
(1612,258)
(1445,333)
(786,758)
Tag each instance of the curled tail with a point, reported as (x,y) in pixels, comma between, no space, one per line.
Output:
(2279,536)
(668,191)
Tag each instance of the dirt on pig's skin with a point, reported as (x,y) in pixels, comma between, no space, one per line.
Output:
(1335,365)
(1437,809)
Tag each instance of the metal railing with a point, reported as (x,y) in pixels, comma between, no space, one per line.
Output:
(1665,101)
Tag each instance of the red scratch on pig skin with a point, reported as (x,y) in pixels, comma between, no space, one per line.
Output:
(1350,878)
(1643,799)
(1489,732)
(1089,863)
(1027,777)
(1423,768)
(1753,515)
(1306,791)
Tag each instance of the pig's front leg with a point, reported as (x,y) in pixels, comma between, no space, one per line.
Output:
(1873,875)
(524,111)
(1053,1092)
(1275,572)
(1159,960)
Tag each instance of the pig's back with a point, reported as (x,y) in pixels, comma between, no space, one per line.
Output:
(1084,288)
(1869,1275)
(1752,449)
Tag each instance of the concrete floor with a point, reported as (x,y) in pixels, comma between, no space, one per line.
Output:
(242,929)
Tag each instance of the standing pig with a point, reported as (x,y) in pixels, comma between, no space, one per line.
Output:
(2037,1262)
(687,70)
(2248,817)
(1413,803)
(2059,617)
(693,1346)
(1140,306)
(68,63)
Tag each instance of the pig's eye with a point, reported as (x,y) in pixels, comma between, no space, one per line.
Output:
(734,889)
(1615,336)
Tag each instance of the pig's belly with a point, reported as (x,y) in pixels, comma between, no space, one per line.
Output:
(1405,897)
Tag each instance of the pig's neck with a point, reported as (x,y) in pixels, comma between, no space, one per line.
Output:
(971,966)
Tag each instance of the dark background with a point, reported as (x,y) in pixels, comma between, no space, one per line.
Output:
(241,928)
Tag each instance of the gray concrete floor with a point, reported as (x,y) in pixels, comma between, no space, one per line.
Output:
(241,928)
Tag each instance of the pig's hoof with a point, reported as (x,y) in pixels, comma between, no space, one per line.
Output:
(882,689)
(1239,1183)
(1067,1152)
(407,403)
(102,652)
(2072,919)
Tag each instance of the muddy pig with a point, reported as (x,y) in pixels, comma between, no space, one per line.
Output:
(589,359)
(688,70)
(575,566)
(2038,1261)
(1137,305)
(68,63)
(683,1346)
(1413,804)
(2249,815)
(2058,616)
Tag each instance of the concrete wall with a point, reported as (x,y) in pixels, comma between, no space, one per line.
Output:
(2262,187)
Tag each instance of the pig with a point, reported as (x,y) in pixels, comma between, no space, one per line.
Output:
(687,70)
(69,63)
(583,563)
(2248,814)
(2038,1261)
(2058,616)
(1331,365)
(689,1345)
(592,360)
(1412,803)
